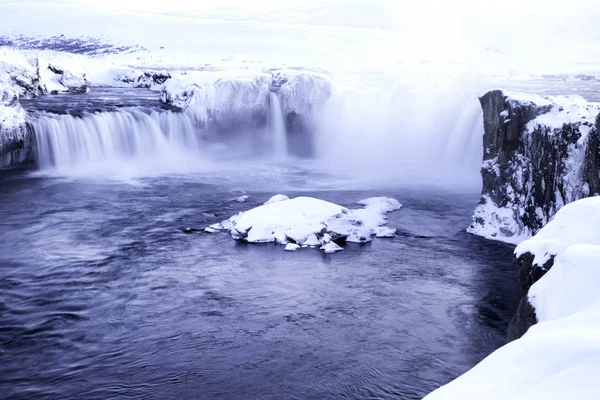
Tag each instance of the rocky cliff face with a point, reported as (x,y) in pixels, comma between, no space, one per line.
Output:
(539,154)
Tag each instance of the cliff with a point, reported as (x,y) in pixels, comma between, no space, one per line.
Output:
(540,153)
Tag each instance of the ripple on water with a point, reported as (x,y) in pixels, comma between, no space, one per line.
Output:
(102,296)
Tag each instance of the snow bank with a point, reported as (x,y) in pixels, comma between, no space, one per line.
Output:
(306,221)
(558,357)
(540,153)
(575,223)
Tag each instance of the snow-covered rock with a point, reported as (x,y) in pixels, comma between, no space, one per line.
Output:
(277,198)
(242,199)
(225,100)
(540,153)
(220,100)
(575,223)
(291,247)
(23,72)
(307,221)
(14,141)
(557,357)
(303,94)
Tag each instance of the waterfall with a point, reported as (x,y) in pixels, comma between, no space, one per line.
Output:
(67,142)
(277,127)
(402,135)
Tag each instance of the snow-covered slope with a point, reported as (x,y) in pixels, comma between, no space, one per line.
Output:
(540,153)
(558,356)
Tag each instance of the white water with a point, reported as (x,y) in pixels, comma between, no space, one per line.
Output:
(404,135)
(277,131)
(387,137)
(110,141)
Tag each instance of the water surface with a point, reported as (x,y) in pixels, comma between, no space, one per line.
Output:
(102,295)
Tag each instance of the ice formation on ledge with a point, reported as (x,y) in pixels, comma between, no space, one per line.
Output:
(310,222)
(224,99)
(13,130)
(301,92)
(540,153)
(228,99)
(558,357)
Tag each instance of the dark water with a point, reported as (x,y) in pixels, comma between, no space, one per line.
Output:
(103,296)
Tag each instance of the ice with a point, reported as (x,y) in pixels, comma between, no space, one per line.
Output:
(291,247)
(331,247)
(311,222)
(219,97)
(12,118)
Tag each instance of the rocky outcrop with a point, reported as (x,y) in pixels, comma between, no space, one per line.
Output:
(539,154)
(15,142)
(222,102)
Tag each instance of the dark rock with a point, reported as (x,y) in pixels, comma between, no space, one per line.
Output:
(56,70)
(530,171)
(530,273)
(149,79)
(523,319)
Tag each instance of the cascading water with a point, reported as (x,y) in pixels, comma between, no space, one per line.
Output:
(402,135)
(277,131)
(66,142)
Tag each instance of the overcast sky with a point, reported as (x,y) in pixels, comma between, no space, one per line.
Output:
(538,32)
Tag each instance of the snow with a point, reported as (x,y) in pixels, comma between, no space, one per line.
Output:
(277,198)
(572,284)
(558,357)
(12,115)
(301,91)
(575,223)
(242,199)
(497,223)
(291,247)
(219,96)
(311,222)
(566,110)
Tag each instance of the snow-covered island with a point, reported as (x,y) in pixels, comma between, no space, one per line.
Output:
(557,358)
(310,222)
